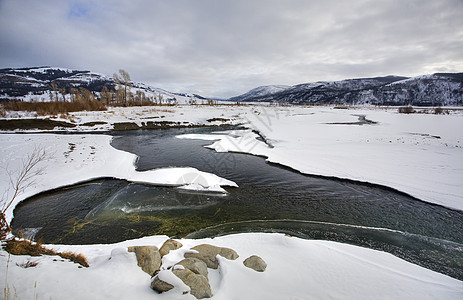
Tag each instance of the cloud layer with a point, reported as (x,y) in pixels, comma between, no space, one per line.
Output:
(224,48)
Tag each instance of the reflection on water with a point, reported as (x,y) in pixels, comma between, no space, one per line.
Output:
(269,199)
(137,198)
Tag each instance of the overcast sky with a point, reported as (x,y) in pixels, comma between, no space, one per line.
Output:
(224,48)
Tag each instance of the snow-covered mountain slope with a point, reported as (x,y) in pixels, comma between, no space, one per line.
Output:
(260,92)
(436,89)
(427,90)
(35,84)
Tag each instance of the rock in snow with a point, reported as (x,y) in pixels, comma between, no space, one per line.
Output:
(208,254)
(193,269)
(256,263)
(199,284)
(160,286)
(169,245)
(195,265)
(148,258)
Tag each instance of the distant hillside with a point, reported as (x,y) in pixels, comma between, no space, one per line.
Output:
(427,90)
(35,84)
(262,91)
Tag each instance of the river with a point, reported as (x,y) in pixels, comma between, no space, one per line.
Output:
(270,198)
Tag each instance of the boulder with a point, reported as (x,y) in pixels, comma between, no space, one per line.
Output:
(208,254)
(169,245)
(198,284)
(160,286)
(148,258)
(228,253)
(256,263)
(195,265)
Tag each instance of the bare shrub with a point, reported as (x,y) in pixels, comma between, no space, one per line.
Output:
(406,110)
(28,264)
(440,111)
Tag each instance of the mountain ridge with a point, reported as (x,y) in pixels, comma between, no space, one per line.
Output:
(35,84)
(424,90)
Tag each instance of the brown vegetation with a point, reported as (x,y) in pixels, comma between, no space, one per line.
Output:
(55,107)
(25,247)
(406,110)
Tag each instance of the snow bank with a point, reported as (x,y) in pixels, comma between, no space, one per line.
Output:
(297,269)
(178,115)
(76,158)
(419,154)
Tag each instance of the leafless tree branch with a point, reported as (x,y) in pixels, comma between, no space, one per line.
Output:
(21,179)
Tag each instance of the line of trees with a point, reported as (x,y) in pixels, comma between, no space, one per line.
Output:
(69,99)
(123,96)
(120,96)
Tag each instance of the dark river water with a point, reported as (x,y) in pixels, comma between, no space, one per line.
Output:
(269,199)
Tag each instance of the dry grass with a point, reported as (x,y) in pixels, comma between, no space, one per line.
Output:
(55,108)
(25,247)
(75,257)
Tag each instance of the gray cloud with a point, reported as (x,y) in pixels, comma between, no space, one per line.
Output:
(223,48)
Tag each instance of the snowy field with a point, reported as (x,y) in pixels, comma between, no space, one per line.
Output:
(420,154)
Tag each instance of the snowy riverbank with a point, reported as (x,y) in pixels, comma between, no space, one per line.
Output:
(417,154)
(297,269)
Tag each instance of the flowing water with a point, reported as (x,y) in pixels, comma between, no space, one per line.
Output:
(269,199)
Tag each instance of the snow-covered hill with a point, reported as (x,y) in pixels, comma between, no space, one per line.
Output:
(427,90)
(260,92)
(35,84)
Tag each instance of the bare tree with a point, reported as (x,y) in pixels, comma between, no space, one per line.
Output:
(86,95)
(63,93)
(55,89)
(123,82)
(106,95)
(20,180)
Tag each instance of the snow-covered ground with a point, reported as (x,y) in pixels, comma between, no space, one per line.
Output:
(417,154)
(297,269)
(182,115)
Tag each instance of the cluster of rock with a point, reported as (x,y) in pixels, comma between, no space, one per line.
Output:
(192,270)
